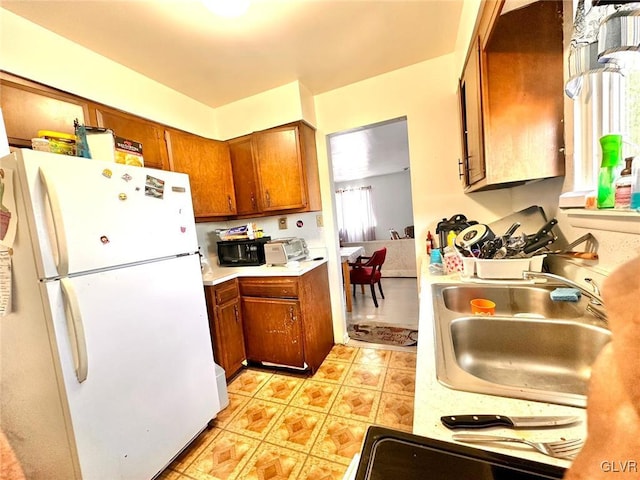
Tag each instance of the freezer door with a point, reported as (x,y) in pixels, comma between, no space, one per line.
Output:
(91,214)
(136,364)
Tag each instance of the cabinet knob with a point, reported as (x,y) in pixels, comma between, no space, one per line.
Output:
(235,312)
(229,202)
(268,198)
(292,314)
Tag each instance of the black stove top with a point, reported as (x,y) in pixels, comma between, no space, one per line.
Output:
(393,455)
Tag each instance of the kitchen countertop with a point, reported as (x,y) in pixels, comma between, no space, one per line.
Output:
(216,275)
(433,400)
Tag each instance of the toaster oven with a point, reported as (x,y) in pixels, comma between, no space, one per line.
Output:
(283,250)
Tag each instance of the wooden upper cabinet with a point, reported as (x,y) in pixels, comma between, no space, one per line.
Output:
(28,107)
(280,170)
(512,97)
(128,126)
(470,94)
(245,180)
(208,164)
(276,170)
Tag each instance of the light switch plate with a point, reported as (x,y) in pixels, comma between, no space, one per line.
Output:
(282,223)
(319,221)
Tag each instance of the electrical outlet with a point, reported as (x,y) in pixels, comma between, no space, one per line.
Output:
(282,223)
(319,221)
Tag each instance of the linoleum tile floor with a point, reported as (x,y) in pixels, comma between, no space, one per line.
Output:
(298,427)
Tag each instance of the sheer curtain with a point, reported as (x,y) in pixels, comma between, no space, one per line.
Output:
(356,221)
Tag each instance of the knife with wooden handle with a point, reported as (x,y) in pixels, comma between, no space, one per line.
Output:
(486,421)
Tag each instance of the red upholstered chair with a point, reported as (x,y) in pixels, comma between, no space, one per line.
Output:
(366,271)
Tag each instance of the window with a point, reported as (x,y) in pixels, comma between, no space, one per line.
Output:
(356,221)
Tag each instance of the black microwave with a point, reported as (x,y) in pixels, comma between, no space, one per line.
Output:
(242,253)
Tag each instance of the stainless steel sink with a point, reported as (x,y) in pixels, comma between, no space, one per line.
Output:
(532,348)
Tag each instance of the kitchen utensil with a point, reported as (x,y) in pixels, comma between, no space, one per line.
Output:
(590,248)
(543,232)
(530,219)
(482,306)
(485,421)
(457,223)
(580,255)
(532,247)
(474,236)
(567,449)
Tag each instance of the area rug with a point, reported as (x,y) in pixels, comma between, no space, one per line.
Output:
(383,333)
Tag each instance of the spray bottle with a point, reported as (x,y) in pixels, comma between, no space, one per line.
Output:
(611,159)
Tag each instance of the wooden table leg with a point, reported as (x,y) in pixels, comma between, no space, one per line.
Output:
(347,285)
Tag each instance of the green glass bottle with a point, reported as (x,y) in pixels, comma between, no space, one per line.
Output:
(611,163)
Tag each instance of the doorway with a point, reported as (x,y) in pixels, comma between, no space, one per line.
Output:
(375,158)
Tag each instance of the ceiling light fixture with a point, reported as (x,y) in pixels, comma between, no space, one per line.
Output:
(227,8)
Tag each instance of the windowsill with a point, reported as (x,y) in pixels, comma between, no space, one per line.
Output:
(625,221)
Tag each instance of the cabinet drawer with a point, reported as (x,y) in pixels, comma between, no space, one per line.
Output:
(226,292)
(272,287)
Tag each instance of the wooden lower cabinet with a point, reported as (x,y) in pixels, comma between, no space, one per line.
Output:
(225,323)
(287,320)
(274,332)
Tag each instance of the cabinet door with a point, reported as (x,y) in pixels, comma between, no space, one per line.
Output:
(229,331)
(244,176)
(151,135)
(208,165)
(225,323)
(471,114)
(273,331)
(280,168)
(28,108)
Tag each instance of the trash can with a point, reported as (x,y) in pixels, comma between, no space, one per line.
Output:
(221,381)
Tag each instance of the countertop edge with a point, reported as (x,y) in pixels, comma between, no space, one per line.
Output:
(217,275)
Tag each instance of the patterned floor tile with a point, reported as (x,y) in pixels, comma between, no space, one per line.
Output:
(259,436)
(187,457)
(357,404)
(249,381)
(236,403)
(296,429)
(274,463)
(317,396)
(280,388)
(365,376)
(224,458)
(169,474)
(342,353)
(403,360)
(339,439)
(318,469)
(331,371)
(400,381)
(396,411)
(256,418)
(371,356)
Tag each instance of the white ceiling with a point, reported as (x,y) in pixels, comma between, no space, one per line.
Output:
(324,44)
(369,151)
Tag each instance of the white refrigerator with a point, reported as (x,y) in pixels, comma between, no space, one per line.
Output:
(107,369)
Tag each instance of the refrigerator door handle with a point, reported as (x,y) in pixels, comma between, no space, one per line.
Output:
(62,257)
(76,329)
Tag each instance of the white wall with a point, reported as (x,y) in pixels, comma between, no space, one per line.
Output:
(390,199)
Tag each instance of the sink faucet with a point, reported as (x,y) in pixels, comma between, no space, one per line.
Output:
(596,304)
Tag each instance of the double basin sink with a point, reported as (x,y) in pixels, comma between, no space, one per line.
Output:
(532,348)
